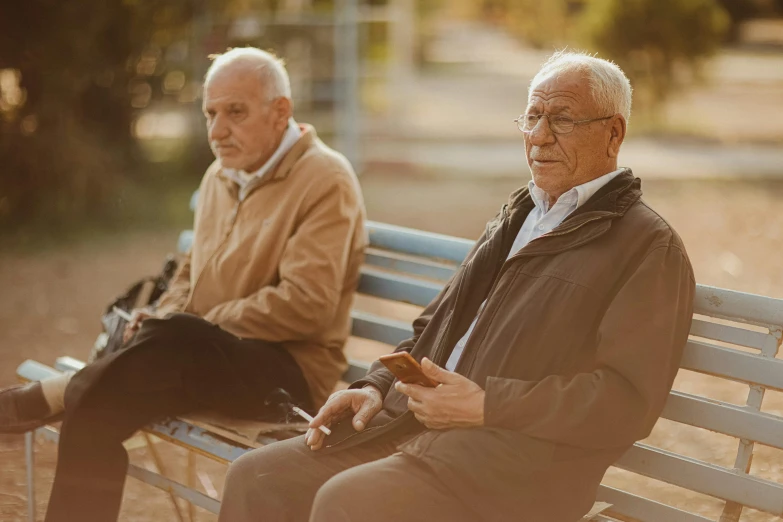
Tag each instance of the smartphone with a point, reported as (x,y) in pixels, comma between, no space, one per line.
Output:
(406,369)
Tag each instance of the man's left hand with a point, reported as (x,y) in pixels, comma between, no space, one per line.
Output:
(457,402)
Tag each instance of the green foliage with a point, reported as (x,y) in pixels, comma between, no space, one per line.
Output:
(66,146)
(540,23)
(658,43)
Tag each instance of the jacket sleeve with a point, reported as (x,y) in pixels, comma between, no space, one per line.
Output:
(176,295)
(641,339)
(312,271)
(378,375)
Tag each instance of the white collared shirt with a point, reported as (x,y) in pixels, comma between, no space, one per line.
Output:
(244,179)
(541,220)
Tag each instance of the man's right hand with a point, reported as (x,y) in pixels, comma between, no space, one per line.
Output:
(137,316)
(365,403)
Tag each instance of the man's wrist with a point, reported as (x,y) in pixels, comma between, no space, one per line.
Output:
(372,387)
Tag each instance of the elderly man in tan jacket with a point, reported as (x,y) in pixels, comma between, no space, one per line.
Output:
(261,302)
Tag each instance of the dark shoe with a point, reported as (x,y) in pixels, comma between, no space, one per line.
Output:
(23,408)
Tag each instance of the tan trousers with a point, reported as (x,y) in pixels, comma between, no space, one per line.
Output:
(287,482)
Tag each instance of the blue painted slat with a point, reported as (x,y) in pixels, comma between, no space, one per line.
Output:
(204,442)
(733,364)
(381,329)
(397,287)
(413,266)
(732,334)
(703,477)
(643,509)
(185,241)
(738,306)
(730,419)
(417,242)
(356,370)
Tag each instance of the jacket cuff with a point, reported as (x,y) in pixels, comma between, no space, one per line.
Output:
(381,379)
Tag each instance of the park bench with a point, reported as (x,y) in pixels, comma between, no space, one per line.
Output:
(734,336)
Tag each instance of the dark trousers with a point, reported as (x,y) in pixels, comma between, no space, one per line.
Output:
(287,482)
(173,366)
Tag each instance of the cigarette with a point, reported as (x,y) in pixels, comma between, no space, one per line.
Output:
(122,313)
(302,413)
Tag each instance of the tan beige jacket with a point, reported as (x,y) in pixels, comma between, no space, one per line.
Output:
(283,263)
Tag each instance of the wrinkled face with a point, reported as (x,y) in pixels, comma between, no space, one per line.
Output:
(244,128)
(560,162)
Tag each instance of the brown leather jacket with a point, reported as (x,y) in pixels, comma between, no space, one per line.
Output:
(281,265)
(576,348)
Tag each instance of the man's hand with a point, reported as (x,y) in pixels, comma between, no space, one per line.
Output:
(137,316)
(364,403)
(457,402)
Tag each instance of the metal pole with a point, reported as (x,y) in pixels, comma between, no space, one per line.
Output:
(347,67)
(29,452)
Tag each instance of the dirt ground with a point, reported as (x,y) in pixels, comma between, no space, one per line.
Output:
(51,300)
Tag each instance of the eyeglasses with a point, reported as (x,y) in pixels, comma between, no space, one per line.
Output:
(557,124)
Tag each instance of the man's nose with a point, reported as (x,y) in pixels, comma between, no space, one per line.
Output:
(218,128)
(541,134)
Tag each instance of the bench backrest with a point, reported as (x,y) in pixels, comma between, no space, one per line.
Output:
(734,336)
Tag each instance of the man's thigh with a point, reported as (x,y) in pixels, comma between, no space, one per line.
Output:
(279,481)
(398,487)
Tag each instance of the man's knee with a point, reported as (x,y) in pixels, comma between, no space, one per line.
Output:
(266,480)
(352,495)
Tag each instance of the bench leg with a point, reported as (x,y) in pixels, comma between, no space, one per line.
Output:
(156,458)
(29,452)
(191,484)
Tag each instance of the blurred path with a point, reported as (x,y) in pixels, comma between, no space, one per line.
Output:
(647,157)
(459,118)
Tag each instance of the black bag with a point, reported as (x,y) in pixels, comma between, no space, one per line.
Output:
(143,293)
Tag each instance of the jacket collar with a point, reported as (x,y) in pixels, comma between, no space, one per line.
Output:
(283,167)
(612,201)
(615,197)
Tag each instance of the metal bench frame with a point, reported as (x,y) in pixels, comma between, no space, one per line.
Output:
(735,336)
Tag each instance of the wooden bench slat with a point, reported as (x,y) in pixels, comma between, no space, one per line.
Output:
(703,477)
(397,287)
(417,267)
(417,242)
(732,364)
(738,306)
(644,509)
(729,419)
(732,334)
(376,328)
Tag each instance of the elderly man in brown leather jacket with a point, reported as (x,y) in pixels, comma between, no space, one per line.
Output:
(261,302)
(555,345)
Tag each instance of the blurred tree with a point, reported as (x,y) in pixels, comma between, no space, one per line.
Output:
(658,43)
(66,143)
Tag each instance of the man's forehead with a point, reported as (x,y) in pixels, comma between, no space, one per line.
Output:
(233,84)
(569,89)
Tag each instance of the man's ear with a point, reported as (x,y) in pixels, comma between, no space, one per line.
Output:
(616,135)
(283,109)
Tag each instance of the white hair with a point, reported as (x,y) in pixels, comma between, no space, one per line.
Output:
(609,85)
(271,69)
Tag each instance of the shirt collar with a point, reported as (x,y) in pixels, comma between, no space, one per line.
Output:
(574,198)
(291,136)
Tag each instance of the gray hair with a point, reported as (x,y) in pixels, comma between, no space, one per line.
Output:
(609,85)
(271,69)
